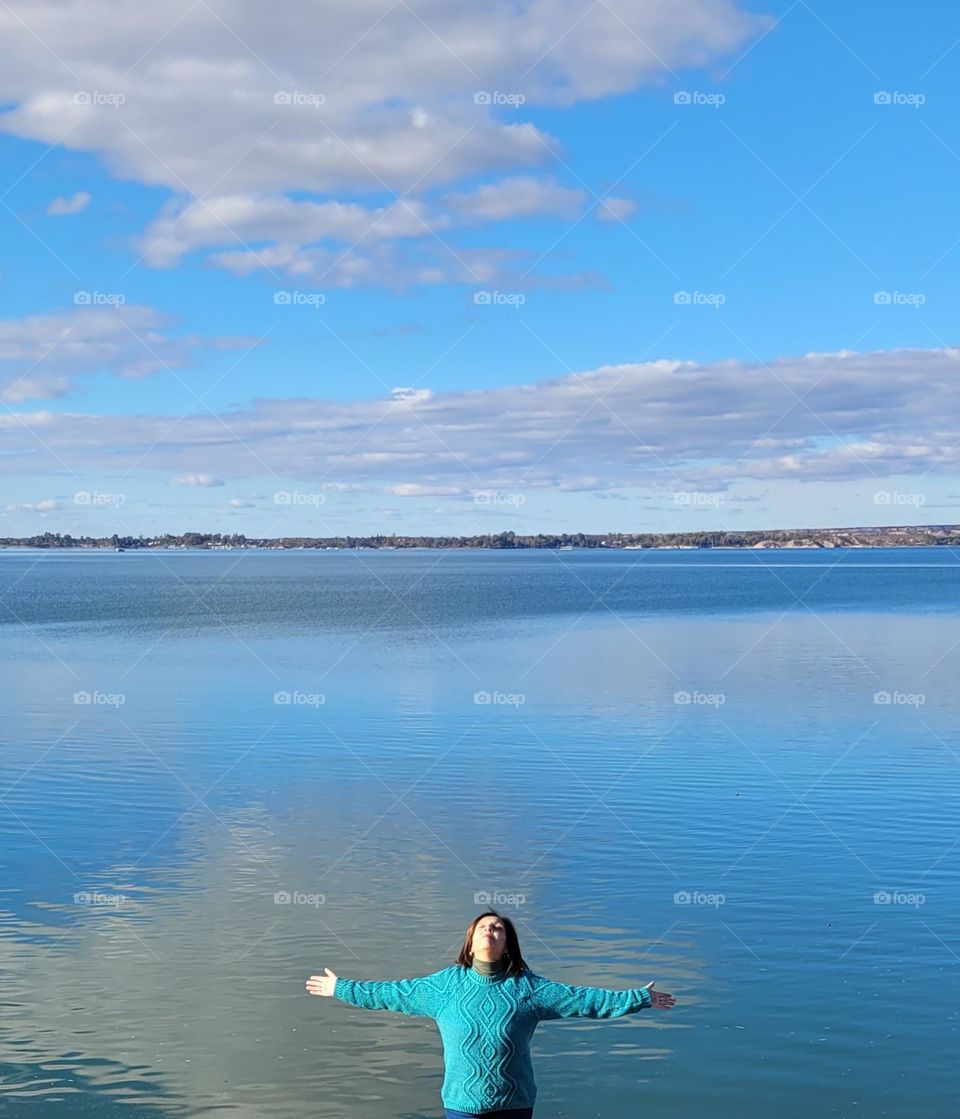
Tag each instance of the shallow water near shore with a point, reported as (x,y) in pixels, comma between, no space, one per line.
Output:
(735,773)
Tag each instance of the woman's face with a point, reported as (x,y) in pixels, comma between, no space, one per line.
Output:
(489,939)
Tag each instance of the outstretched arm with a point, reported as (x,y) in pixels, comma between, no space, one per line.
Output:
(419,997)
(558,1000)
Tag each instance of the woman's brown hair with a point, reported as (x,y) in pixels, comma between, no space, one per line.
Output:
(511,952)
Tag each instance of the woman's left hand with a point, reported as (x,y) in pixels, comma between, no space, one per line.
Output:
(660,1000)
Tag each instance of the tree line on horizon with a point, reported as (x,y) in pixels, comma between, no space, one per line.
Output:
(837,537)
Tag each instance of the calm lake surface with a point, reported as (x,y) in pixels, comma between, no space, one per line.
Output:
(737,773)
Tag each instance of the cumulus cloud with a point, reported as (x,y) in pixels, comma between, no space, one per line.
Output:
(198,480)
(667,423)
(234,110)
(240,220)
(615,209)
(46,506)
(72,205)
(41,355)
(415,489)
(388,266)
(411,395)
(520,196)
(374,92)
(340,244)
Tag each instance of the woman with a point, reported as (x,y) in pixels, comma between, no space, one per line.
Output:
(487,1006)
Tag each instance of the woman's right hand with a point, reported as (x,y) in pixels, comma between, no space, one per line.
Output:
(322,984)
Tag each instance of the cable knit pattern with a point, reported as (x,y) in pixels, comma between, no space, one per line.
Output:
(486,1023)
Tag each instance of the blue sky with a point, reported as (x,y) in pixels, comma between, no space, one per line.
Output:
(687,266)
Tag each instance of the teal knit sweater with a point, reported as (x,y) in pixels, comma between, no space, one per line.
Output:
(486,1023)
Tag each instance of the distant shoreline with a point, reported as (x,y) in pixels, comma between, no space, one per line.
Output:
(899,536)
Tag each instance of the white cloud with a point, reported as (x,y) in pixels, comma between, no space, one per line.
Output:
(520,196)
(615,209)
(385,265)
(223,104)
(72,205)
(40,355)
(37,507)
(411,395)
(668,423)
(198,480)
(398,87)
(340,242)
(244,220)
(414,489)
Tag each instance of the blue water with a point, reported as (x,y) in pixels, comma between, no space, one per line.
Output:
(671,765)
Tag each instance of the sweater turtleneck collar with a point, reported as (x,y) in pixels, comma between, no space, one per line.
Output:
(498,967)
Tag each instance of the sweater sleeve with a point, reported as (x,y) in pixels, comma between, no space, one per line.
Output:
(558,1000)
(420,997)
